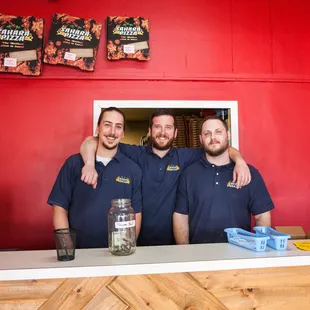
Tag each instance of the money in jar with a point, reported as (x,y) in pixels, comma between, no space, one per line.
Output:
(122,227)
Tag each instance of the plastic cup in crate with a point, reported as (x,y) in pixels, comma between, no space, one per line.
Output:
(246,239)
(277,241)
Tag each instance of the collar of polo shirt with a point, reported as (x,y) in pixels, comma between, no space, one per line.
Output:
(170,152)
(118,156)
(206,163)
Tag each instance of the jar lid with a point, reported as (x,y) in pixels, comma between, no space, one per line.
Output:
(121,201)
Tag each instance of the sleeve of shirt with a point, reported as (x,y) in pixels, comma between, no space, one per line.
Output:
(131,151)
(260,200)
(182,205)
(191,155)
(136,196)
(62,190)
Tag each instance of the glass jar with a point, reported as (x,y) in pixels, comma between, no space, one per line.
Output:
(122,227)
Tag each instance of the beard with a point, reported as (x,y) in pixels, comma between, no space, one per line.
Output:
(159,147)
(108,146)
(216,152)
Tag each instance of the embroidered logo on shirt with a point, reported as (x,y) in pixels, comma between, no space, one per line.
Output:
(122,179)
(173,168)
(232,184)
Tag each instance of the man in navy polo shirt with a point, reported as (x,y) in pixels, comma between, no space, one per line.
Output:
(161,165)
(80,206)
(208,200)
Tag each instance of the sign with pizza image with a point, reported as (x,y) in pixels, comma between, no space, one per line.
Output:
(73,41)
(128,38)
(21,41)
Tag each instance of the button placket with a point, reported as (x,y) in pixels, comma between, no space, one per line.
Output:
(217,177)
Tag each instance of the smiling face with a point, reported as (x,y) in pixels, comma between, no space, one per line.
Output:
(163,132)
(111,129)
(214,137)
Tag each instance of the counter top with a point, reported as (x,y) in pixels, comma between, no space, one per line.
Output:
(26,265)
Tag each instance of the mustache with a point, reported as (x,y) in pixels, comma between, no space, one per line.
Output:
(111,136)
(214,141)
(162,136)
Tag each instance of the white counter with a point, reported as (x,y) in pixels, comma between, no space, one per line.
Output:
(26,265)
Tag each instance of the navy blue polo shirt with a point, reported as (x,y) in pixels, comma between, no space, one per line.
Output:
(159,187)
(206,193)
(87,207)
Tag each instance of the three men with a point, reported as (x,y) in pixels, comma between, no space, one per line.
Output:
(208,200)
(161,165)
(80,206)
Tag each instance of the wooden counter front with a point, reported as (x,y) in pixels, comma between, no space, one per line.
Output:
(217,276)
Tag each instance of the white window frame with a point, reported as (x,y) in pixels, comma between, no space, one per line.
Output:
(173,104)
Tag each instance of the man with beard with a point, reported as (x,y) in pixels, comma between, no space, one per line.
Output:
(161,166)
(80,206)
(208,200)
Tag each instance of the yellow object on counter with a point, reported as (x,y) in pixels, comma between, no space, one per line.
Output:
(305,246)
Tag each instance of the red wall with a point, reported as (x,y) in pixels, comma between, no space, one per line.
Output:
(255,52)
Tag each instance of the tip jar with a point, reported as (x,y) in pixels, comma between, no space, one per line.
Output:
(122,227)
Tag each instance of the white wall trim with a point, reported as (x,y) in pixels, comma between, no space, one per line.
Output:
(190,104)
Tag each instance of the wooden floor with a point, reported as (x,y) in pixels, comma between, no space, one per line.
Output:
(271,288)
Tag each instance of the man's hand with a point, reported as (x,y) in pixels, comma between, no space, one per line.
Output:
(241,174)
(89,175)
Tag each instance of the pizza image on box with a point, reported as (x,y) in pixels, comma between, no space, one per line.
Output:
(128,38)
(73,41)
(21,42)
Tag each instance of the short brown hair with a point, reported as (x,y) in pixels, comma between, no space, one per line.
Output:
(215,117)
(110,109)
(160,112)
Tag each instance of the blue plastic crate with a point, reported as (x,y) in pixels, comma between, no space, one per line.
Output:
(277,241)
(246,239)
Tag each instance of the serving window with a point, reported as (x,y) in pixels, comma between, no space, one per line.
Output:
(189,115)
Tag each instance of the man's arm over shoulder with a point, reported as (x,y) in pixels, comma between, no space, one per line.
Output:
(136,194)
(242,174)
(260,201)
(131,151)
(190,155)
(88,150)
(180,215)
